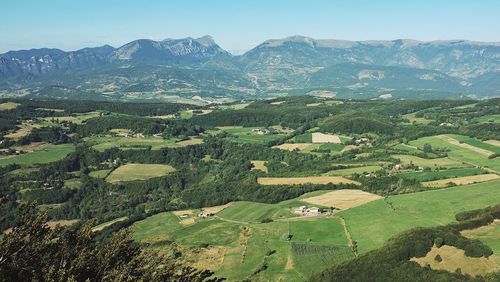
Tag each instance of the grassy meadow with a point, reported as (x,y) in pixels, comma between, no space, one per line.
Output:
(372,224)
(131,172)
(460,154)
(49,153)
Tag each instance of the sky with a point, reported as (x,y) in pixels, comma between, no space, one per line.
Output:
(239,25)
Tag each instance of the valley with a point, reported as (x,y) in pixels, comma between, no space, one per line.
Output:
(264,190)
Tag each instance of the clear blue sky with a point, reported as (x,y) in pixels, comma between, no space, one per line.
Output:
(240,24)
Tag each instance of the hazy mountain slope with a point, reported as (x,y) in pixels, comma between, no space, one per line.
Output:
(190,66)
(359,75)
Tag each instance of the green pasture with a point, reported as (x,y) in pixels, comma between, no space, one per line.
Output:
(488,118)
(476,143)
(102,143)
(441,174)
(375,222)
(131,172)
(351,171)
(431,163)
(48,154)
(99,173)
(459,153)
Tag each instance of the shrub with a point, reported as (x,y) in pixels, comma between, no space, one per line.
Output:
(438,242)
(438,258)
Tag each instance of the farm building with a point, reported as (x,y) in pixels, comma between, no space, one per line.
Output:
(311,211)
(204,214)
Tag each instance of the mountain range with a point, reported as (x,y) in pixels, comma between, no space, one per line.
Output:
(200,67)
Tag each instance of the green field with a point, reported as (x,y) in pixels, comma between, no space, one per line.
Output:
(407,148)
(48,154)
(434,175)
(303,138)
(76,118)
(373,223)
(316,243)
(101,143)
(255,212)
(490,236)
(431,163)
(99,173)
(351,171)
(476,143)
(73,183)
(412,118)
(131,172)
(245,135)
(488,118)
(459,153)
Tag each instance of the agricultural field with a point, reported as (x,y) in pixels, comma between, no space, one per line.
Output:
(489,234)
(132,172)
(460,153)
(461,180)
(100,173)
(355,170)
(252,135)
(305,180)
(372,224)
(259,165)
(441,174)
(342,199)
(253,200)
(238,244)
(76,118)
(49,153)
(434,164)
(8,106)
(488,118)
(102,143)
(418,120)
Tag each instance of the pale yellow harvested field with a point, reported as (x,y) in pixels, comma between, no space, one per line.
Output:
(455,142)
(194,141)
(178,213)
(24,130)
(461,180)
(305,180)
(342,199)
(318,137)
(215,209)
(8,106)
(259,165)
(493,142)
(291,147)
(454,258)
(67,222)
(187,221)
(277,103)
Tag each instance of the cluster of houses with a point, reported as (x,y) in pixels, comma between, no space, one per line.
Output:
(205,214)
(312,211)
